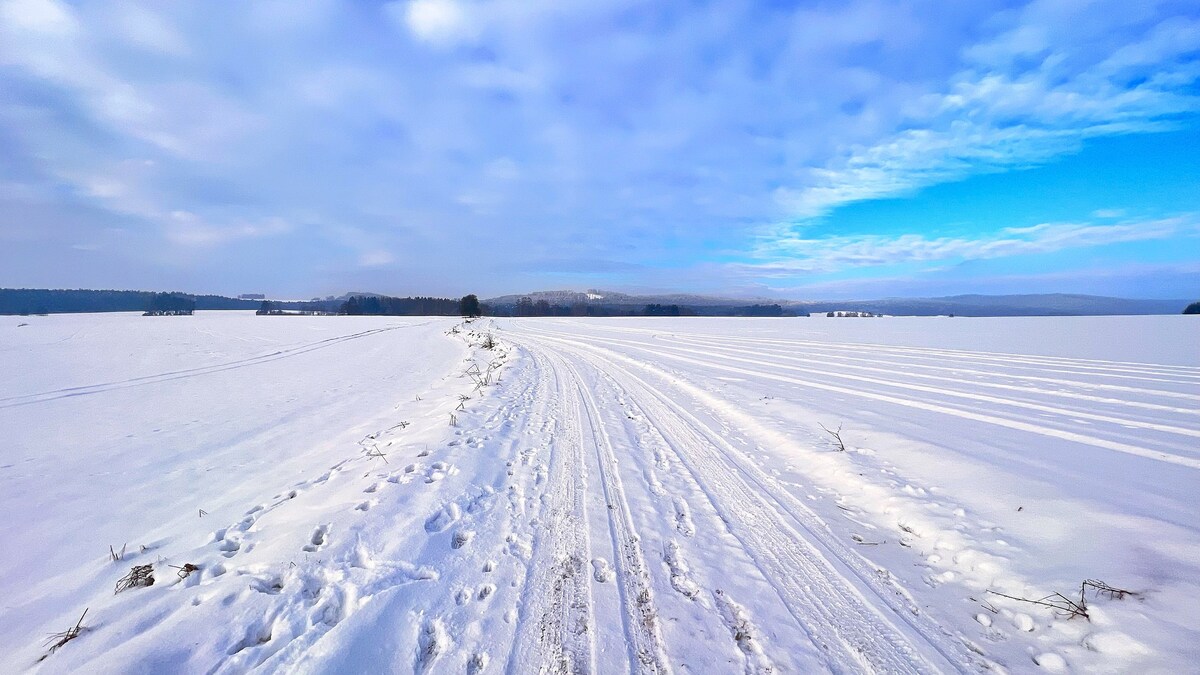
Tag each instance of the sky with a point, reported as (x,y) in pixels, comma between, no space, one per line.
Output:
(800,150)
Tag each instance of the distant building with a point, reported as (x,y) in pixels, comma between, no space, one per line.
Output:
(852,314)
(252,296)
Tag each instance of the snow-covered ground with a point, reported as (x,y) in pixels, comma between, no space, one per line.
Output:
(620,495)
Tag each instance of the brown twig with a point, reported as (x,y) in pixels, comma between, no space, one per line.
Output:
(184,571)
(1056,601)
(1099,587)
(57,640)
(837,436)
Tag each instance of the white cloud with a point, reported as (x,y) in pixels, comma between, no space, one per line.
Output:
(45,17)
(175,114)
(798,255)
(375,259)
(188,229)
(439,22)
(1001,113)
(150,30)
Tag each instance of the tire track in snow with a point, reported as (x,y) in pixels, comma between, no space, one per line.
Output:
(1018,425)
(29,399)
(942,351)
(641,616)
(745,635)
(844,362)
(984,398)
(556,630)
(853,633)
(838,356)
(1091,368)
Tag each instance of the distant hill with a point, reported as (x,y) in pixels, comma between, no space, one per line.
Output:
(610,303)
(1050,304)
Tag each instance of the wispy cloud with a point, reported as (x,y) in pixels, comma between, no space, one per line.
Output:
(1030,94)
(189,229)
(376,259)
(798,255)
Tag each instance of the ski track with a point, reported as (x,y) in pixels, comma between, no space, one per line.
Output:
(1113,439)
(556,631)
(823,592)
(641,619)
(42,397)
(511,560)
(732,355)
(851,362)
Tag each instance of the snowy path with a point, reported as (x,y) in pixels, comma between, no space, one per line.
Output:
(820,369)
(618,498)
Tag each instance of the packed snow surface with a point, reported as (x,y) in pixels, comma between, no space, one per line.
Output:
(384,494)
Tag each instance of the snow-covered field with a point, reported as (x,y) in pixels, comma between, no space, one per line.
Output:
(622,495)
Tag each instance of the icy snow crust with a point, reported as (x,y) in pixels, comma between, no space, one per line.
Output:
(615,495)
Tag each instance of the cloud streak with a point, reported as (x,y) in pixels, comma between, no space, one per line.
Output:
(1019,101)
(789,257)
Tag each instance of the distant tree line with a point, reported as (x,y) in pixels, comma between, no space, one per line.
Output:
(526,306)
(382,305)
(170,304)
(1193,308)
(47,301)
(44,301)
(767,310)
(665,310)
(747,310)
(310,308)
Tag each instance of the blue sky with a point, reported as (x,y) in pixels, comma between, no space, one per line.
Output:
(772,148)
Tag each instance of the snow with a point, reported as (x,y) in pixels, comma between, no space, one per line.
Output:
(615,494)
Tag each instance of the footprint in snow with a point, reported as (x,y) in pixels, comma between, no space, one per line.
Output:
(477,663)
(443,518)
(318,539)
(404,476)
(462,538)
(269,585)
(438,471)
(601,570)
(230,547)
(229,541)
(432,642)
